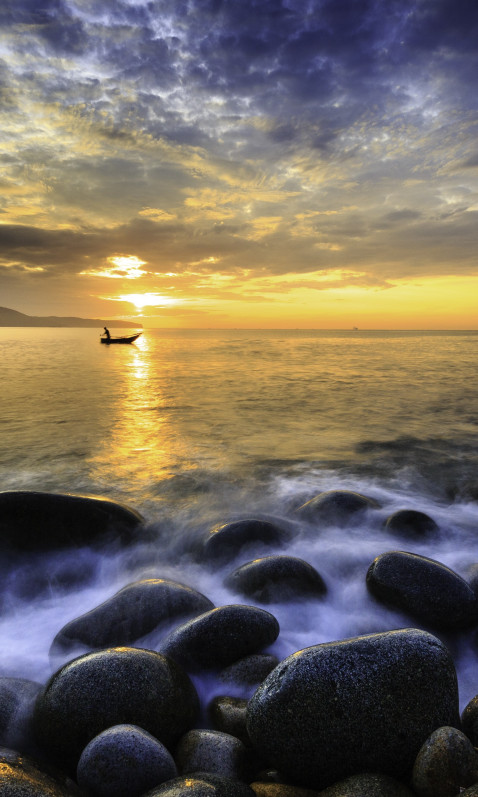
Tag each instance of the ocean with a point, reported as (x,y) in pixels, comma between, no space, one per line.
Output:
(194,428)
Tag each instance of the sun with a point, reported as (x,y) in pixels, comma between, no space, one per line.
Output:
(141,300)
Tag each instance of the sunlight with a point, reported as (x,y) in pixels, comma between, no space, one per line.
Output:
(141,300)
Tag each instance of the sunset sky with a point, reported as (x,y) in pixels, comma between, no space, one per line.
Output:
(241,163)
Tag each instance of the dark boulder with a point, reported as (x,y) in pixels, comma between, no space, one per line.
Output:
(446,763)
(276,578)
(225,540)
(369,784)
(201,785)
(469,720)
(112,687)
(38,521)
(17,700)
(410,523)
(360,705)
(22,777)
(336,507)
(124,761)
(228,714)
(250,670)
(426,589)
(220,637)
(133,612)
(211,751)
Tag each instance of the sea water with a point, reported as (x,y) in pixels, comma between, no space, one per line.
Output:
(194,428)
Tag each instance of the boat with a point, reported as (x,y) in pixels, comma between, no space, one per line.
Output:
(120,338)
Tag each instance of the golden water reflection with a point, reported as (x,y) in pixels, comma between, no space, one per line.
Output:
(141,447)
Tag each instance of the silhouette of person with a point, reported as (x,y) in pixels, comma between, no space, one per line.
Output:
(107,333)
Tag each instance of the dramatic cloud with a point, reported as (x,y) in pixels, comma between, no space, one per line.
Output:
(213,150)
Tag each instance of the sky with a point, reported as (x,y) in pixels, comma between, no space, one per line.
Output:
(241,163)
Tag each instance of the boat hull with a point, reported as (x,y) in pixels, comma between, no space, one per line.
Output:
(123,339)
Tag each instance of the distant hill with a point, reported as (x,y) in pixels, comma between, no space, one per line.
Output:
(12,318)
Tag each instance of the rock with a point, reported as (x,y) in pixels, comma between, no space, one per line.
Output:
(228,714)
(446,762)
(17,699)
(472,577)
(21,777)
(250,670)
(225,540)
(276,578)
(360,705)
(471,792)
(221,636)
(263,789)
(426,589)
(369,784)
(201,785)
(112,687)
(133,612)
(124,761)
(214,752)
(469,720)
(410,523)
(336,507)
(38,521)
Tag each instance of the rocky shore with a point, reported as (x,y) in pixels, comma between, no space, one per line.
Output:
(375,715)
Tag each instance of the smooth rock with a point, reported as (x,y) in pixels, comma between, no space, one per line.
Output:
(201,785)
(368,785)
(17,700)
(112,687)
(225,540)
(221,636)
(360,705)
(211,751)
(276,578)
(22,777)
(410,523)
(267,789)
(228,714)
(124,761)
(41,521)
(250,670)
(424,588)
(130,614)
(446,763)
(336,507)
(469,720)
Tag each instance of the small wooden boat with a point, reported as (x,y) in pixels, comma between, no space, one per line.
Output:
(120,338)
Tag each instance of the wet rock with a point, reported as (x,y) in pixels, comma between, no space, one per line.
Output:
(250,670)
(469,720)
(410,523)
(276,578)
(17,700)
(471,576)
(336,506)
(221,636)
(214,752)
(472,791)
(22,777)
(225,540)
(446,763)
(228,714)
(201,785)
(112,687)
(360,705)
(39,521)
(369,784)
(263,789)
(133,612)
(425,588)
(124,761)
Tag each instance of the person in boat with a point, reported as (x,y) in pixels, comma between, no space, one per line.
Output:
(107,333)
